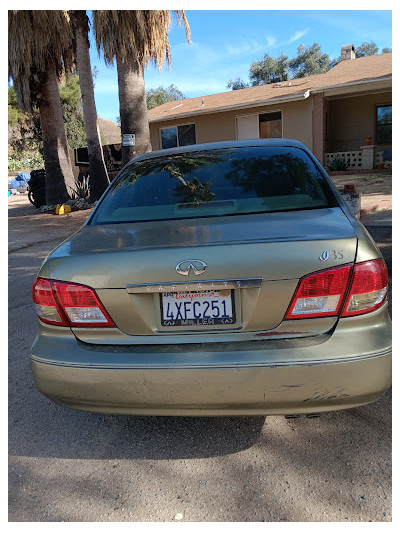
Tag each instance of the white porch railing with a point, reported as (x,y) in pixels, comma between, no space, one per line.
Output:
(365,158)
(354,158)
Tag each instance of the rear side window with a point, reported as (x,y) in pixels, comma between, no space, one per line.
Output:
(220,182)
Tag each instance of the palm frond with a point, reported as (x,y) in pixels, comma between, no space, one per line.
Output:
(36,38)
(142,34)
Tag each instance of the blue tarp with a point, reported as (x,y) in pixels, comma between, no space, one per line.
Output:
(21,180)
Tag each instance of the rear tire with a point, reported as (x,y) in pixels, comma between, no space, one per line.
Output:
(30,197)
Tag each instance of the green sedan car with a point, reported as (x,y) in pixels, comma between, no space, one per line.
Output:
(215,279)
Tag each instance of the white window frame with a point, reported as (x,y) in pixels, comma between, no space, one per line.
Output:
(177,136)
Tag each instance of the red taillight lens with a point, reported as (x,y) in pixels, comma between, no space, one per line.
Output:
(69,304)
(368,288)
(46,305)
(322,293)
(319,294)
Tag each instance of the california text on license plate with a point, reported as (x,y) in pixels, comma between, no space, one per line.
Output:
(199,308)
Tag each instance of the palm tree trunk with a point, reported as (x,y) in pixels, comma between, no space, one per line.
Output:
(98,176)
(59,177)
(133,108)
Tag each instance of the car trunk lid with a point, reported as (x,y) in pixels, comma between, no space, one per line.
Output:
(274,248)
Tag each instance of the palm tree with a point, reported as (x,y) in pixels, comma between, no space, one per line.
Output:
(39,51)
(134,38)
(98,177)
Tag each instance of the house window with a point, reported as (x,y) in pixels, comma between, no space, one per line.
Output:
(178,136)
(384,124)
(270,125)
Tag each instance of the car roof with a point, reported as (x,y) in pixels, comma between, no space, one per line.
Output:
(220,145)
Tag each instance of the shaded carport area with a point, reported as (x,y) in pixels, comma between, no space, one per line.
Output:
(348,122)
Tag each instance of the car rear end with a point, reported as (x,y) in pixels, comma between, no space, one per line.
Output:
(215,280)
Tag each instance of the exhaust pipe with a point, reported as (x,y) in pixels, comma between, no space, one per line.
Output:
(309,415)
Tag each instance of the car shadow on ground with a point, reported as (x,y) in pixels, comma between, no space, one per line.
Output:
(121,436)
(62,432)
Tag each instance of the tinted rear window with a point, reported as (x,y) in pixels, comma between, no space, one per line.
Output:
(215,183)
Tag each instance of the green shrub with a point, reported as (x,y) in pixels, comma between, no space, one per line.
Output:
(339,162)
(25,161)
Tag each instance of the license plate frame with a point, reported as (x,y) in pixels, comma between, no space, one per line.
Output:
(186,315)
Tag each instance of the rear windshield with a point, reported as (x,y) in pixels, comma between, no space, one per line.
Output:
(220,182)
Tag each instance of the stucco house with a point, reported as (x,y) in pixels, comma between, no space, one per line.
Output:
(347,110)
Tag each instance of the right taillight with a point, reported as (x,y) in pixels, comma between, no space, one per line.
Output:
(368,289)
(340,291)
(320,294)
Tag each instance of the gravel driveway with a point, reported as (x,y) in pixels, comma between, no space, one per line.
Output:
(81,467)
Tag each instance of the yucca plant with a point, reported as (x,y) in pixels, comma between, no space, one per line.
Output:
(81,188)
(338,162)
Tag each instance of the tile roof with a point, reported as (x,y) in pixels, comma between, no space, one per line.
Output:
(346,72)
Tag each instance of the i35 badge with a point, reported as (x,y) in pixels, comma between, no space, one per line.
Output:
(196,265)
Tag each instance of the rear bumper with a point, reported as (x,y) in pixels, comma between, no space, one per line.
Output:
(307,388)
(346,369)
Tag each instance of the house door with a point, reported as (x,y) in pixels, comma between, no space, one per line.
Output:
(264,126)
(247,127)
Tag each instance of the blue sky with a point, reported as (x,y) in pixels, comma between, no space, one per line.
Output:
(225,43)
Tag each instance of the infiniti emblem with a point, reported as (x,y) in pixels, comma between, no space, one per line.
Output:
(197,266)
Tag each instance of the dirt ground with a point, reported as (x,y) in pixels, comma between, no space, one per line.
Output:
(375,189)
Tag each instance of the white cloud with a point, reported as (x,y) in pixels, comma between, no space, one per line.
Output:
(190,85)
(245,48)
(237,50)
(196,54)
(242,49)
(298,35)
(271,41)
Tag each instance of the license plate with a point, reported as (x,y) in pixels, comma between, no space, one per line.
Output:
(199,308)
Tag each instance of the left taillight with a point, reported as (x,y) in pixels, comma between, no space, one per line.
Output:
(47,308)
(68,304)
